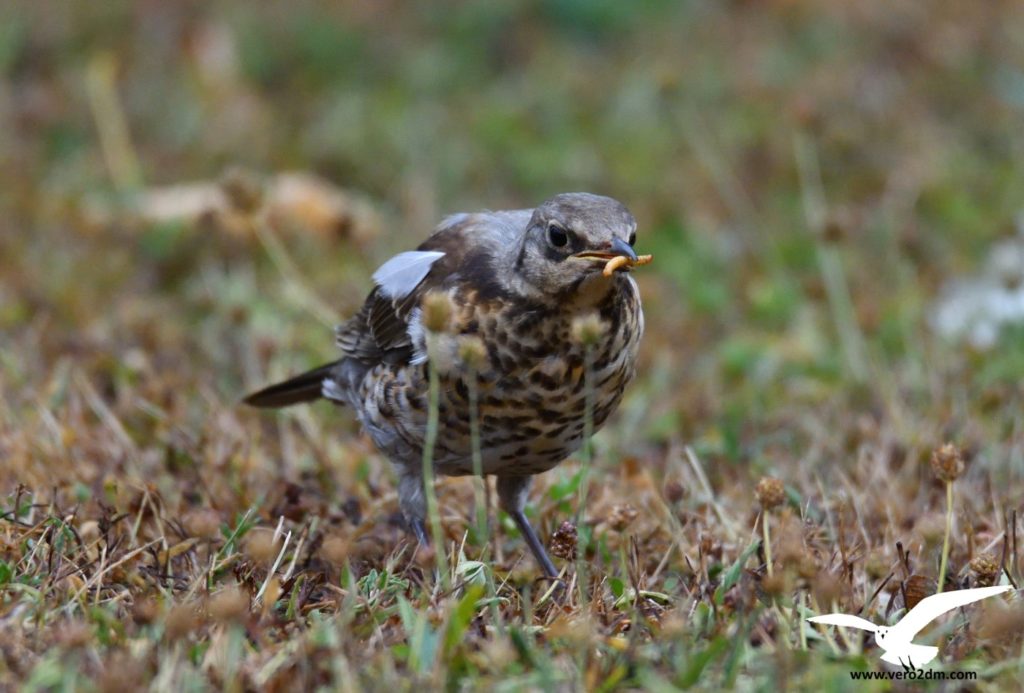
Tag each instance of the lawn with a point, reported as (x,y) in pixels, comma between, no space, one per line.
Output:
(192,194)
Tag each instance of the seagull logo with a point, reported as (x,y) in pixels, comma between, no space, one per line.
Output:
(896,640)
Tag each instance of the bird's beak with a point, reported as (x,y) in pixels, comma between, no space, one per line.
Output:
(617,248)
(620,247)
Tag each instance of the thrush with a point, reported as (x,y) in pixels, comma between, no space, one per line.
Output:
(546,328)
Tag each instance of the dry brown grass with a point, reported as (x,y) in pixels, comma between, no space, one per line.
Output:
(808,176)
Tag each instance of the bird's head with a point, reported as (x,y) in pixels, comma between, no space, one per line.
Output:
(881,633)
(570,239)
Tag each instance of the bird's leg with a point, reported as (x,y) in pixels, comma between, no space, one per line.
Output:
(419,530)
(413,505)
(534,543)
(512,492)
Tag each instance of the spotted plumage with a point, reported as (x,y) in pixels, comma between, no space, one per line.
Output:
(516,282)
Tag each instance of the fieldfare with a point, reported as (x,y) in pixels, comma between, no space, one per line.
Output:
(516,283)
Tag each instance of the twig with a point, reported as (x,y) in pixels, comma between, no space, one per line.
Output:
(433,413)
(945,540)
(115,140)
(851,341)
(99,575)
(698,470)
(274,567)
(290,273)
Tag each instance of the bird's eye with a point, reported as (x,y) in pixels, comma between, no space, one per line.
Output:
(632,238)
(557,236)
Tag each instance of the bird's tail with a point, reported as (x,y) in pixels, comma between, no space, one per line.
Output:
(302,388)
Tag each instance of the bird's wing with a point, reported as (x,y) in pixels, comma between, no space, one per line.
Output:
(399,276)
(380,330)
(845,620)
(930,608)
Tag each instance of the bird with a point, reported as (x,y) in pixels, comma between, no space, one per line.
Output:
(516,284)
(896,640)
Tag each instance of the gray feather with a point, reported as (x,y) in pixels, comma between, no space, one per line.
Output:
(400,275)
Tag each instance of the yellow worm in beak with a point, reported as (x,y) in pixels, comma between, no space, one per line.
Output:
(623,261)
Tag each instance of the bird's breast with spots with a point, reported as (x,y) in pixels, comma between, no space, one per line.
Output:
(531,390)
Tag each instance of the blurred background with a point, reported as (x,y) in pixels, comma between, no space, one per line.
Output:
(192,193)
(808,175)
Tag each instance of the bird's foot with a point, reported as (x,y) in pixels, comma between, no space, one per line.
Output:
(419,530)
(535,544)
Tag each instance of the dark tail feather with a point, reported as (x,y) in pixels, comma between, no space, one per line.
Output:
(302,388)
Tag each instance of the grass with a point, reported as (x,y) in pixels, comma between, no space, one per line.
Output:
(808,177)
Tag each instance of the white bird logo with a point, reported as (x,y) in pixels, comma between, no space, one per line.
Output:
(896,640)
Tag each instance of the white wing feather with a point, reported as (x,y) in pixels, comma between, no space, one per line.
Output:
(930,608)
(400,275)
(845,620)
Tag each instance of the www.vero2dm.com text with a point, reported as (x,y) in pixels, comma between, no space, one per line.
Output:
(914,675)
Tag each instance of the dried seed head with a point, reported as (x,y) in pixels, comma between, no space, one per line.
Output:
(121,672)
(673,625)
(576,630)
(1001,621)
(335,549)
(89,531)
(712,547)
(827,588)
(588,329)
(836,228)
(876,566)
(443,352)
(181,620)
(145,610)
(230,605)
(931,526)
(621,516)
(243,189)
(425,556)
(202,522)
(498,653)
(807,568)
(272,593)
(777,584)
(986,569)
(438,309)
(261,547)
(948,463)
(674,492)
(788,545)
(472,351)
(563,541)
(770,492)
(74,634)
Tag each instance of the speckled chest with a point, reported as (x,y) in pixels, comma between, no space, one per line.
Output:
(531,390)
